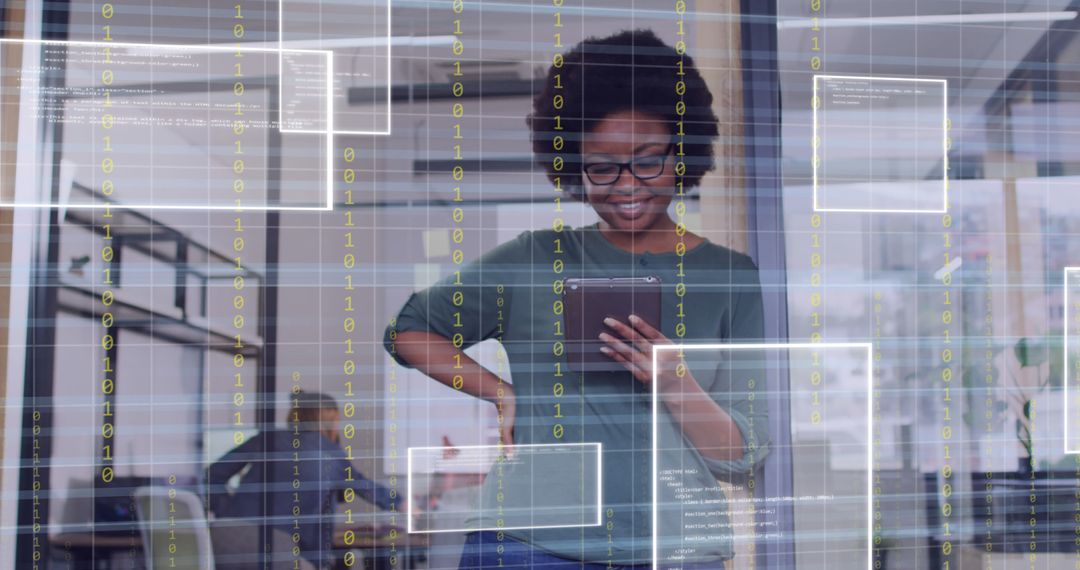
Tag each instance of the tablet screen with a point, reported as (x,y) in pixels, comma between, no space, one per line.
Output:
(589,301)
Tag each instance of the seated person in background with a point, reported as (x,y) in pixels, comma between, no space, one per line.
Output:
(308,472)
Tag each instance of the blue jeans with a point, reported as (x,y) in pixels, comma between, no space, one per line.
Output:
(482,553)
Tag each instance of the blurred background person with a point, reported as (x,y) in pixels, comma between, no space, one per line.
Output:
(308,452)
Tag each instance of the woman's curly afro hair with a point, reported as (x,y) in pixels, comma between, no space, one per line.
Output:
(629,71)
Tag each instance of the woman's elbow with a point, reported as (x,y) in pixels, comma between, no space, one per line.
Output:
(411,348)
(398,344)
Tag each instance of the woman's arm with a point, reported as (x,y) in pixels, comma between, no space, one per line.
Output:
(709,427)
(467,305)
(437,357)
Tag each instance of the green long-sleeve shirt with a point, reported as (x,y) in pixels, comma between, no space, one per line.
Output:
(509,294)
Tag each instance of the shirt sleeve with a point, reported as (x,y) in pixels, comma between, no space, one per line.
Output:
(739,386)
(370,491)
(219,473)
(465,302)
(375,493)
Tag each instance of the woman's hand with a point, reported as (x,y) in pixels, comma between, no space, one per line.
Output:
(708,426)
(635,354)
(506,405)
(437,357)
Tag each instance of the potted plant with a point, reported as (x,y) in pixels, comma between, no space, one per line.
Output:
(1042,487)
(1032,354)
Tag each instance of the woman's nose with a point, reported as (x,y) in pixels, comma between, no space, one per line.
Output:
(625,181)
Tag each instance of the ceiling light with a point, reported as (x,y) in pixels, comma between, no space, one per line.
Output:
(1000,18)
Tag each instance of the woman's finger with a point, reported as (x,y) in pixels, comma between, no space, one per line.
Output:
(624,330)
(616,356)
(640,359)
(506,429)
(506,438)
(629,333)
(618,346)
(648,331)
(638,373)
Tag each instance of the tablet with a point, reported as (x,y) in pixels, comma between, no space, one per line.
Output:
(587,302)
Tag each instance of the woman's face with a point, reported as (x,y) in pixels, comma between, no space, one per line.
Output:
(626,202)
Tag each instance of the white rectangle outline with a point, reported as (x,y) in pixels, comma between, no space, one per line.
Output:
(599,485)
(210,47)
(1065,379)
(330,94)
(801,346)
(944,146)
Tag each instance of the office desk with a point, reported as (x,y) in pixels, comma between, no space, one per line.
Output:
(90,550)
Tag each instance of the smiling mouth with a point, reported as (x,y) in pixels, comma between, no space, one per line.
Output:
(631,210)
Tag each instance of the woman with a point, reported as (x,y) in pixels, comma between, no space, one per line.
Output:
(618,130)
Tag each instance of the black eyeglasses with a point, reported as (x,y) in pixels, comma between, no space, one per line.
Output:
(642,167)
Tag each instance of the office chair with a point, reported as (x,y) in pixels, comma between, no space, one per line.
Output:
(174,529)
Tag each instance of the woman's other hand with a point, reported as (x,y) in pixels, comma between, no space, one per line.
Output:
(506,406)
(437,357)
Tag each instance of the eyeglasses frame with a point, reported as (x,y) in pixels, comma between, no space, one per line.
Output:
(629,166)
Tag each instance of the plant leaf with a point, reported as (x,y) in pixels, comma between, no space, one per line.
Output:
(1030,352)
(1057,364)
